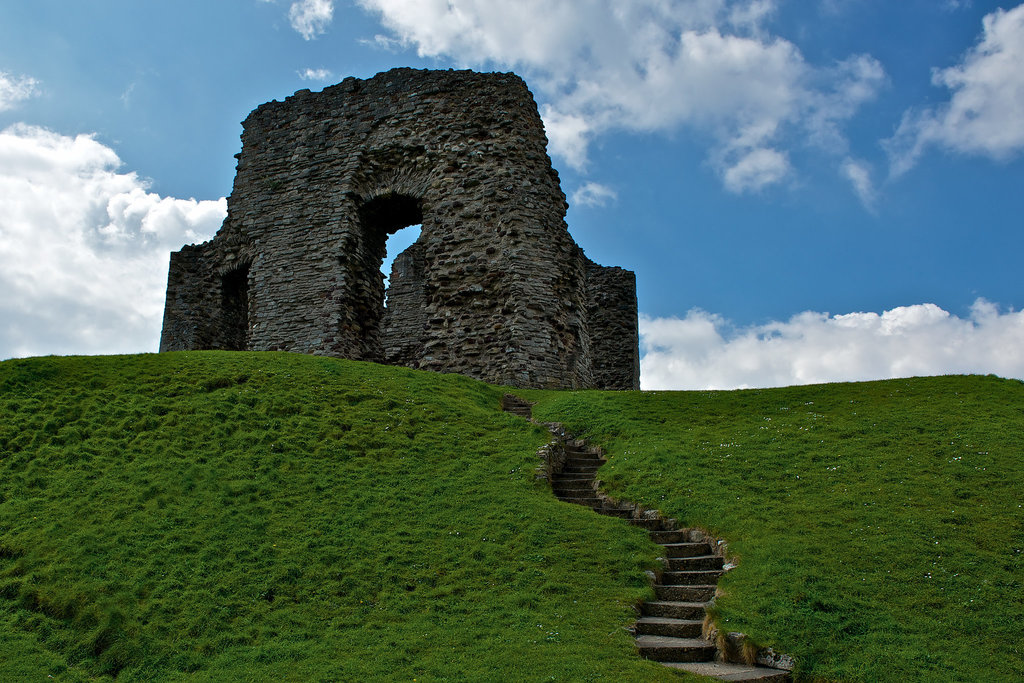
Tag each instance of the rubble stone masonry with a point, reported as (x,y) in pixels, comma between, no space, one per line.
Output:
(494,287)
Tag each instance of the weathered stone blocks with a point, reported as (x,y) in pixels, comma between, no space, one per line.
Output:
(494,287)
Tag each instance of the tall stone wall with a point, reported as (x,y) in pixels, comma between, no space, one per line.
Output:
(494,287)
(612,321)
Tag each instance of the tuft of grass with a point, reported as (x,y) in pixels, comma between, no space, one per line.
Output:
(241,516)
(879,526)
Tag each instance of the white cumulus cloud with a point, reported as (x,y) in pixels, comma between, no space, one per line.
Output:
(755,170)
(594,195)
(315,74)
(14,89)
(704,351)
(651,65)
(84,247)
(311,17)
(985,114)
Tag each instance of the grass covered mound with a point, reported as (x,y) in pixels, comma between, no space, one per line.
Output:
(879,526)
(240,516)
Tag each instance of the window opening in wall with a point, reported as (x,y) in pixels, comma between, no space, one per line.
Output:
(396,244)
(235,308)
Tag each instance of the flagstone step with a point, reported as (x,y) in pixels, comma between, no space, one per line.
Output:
(691,578)
(588,471)
(649,524)
(586,502)
(699,562)
(584,462)
(684,593)
(614,512)
(676,537)
(685,549)
(571,482)
(732,672)
(568,489)
(669,626)
(668,649)
(673,609)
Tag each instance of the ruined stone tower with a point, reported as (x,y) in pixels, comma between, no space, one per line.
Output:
(494,287)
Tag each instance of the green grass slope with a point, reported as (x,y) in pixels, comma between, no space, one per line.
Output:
(228,516)
(879,526)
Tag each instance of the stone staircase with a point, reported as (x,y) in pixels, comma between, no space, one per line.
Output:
(670,628)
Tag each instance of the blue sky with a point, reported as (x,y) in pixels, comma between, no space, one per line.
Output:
(808,191)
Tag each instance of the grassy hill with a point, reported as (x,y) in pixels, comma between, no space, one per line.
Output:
(879,526)
(282,517)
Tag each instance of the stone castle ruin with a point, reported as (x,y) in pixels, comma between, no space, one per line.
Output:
(494,287)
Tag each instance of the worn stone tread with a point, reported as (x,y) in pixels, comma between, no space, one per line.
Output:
(731,672)
(669,649)
(649,524)
(674,609)
(669,641)
(684,549)
(676,537)
(697,563)
(614,512)
(695,593)
(669,626)
(702,577)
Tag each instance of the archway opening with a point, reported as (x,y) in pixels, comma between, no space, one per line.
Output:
(396,243)
(394,271)
(234,292)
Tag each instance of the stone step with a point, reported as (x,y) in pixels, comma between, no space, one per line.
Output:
(580,471)
(732,672)
(699,562)
(580,459)
(575,485)
(587,502)
(566,480)
(685,549)
(684,593)
(562,476)
(520,409)
(673,609)
(649,524)
(702,577)
(580,463)
(669,626)
(614,512)
(679,536)
(667,649)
